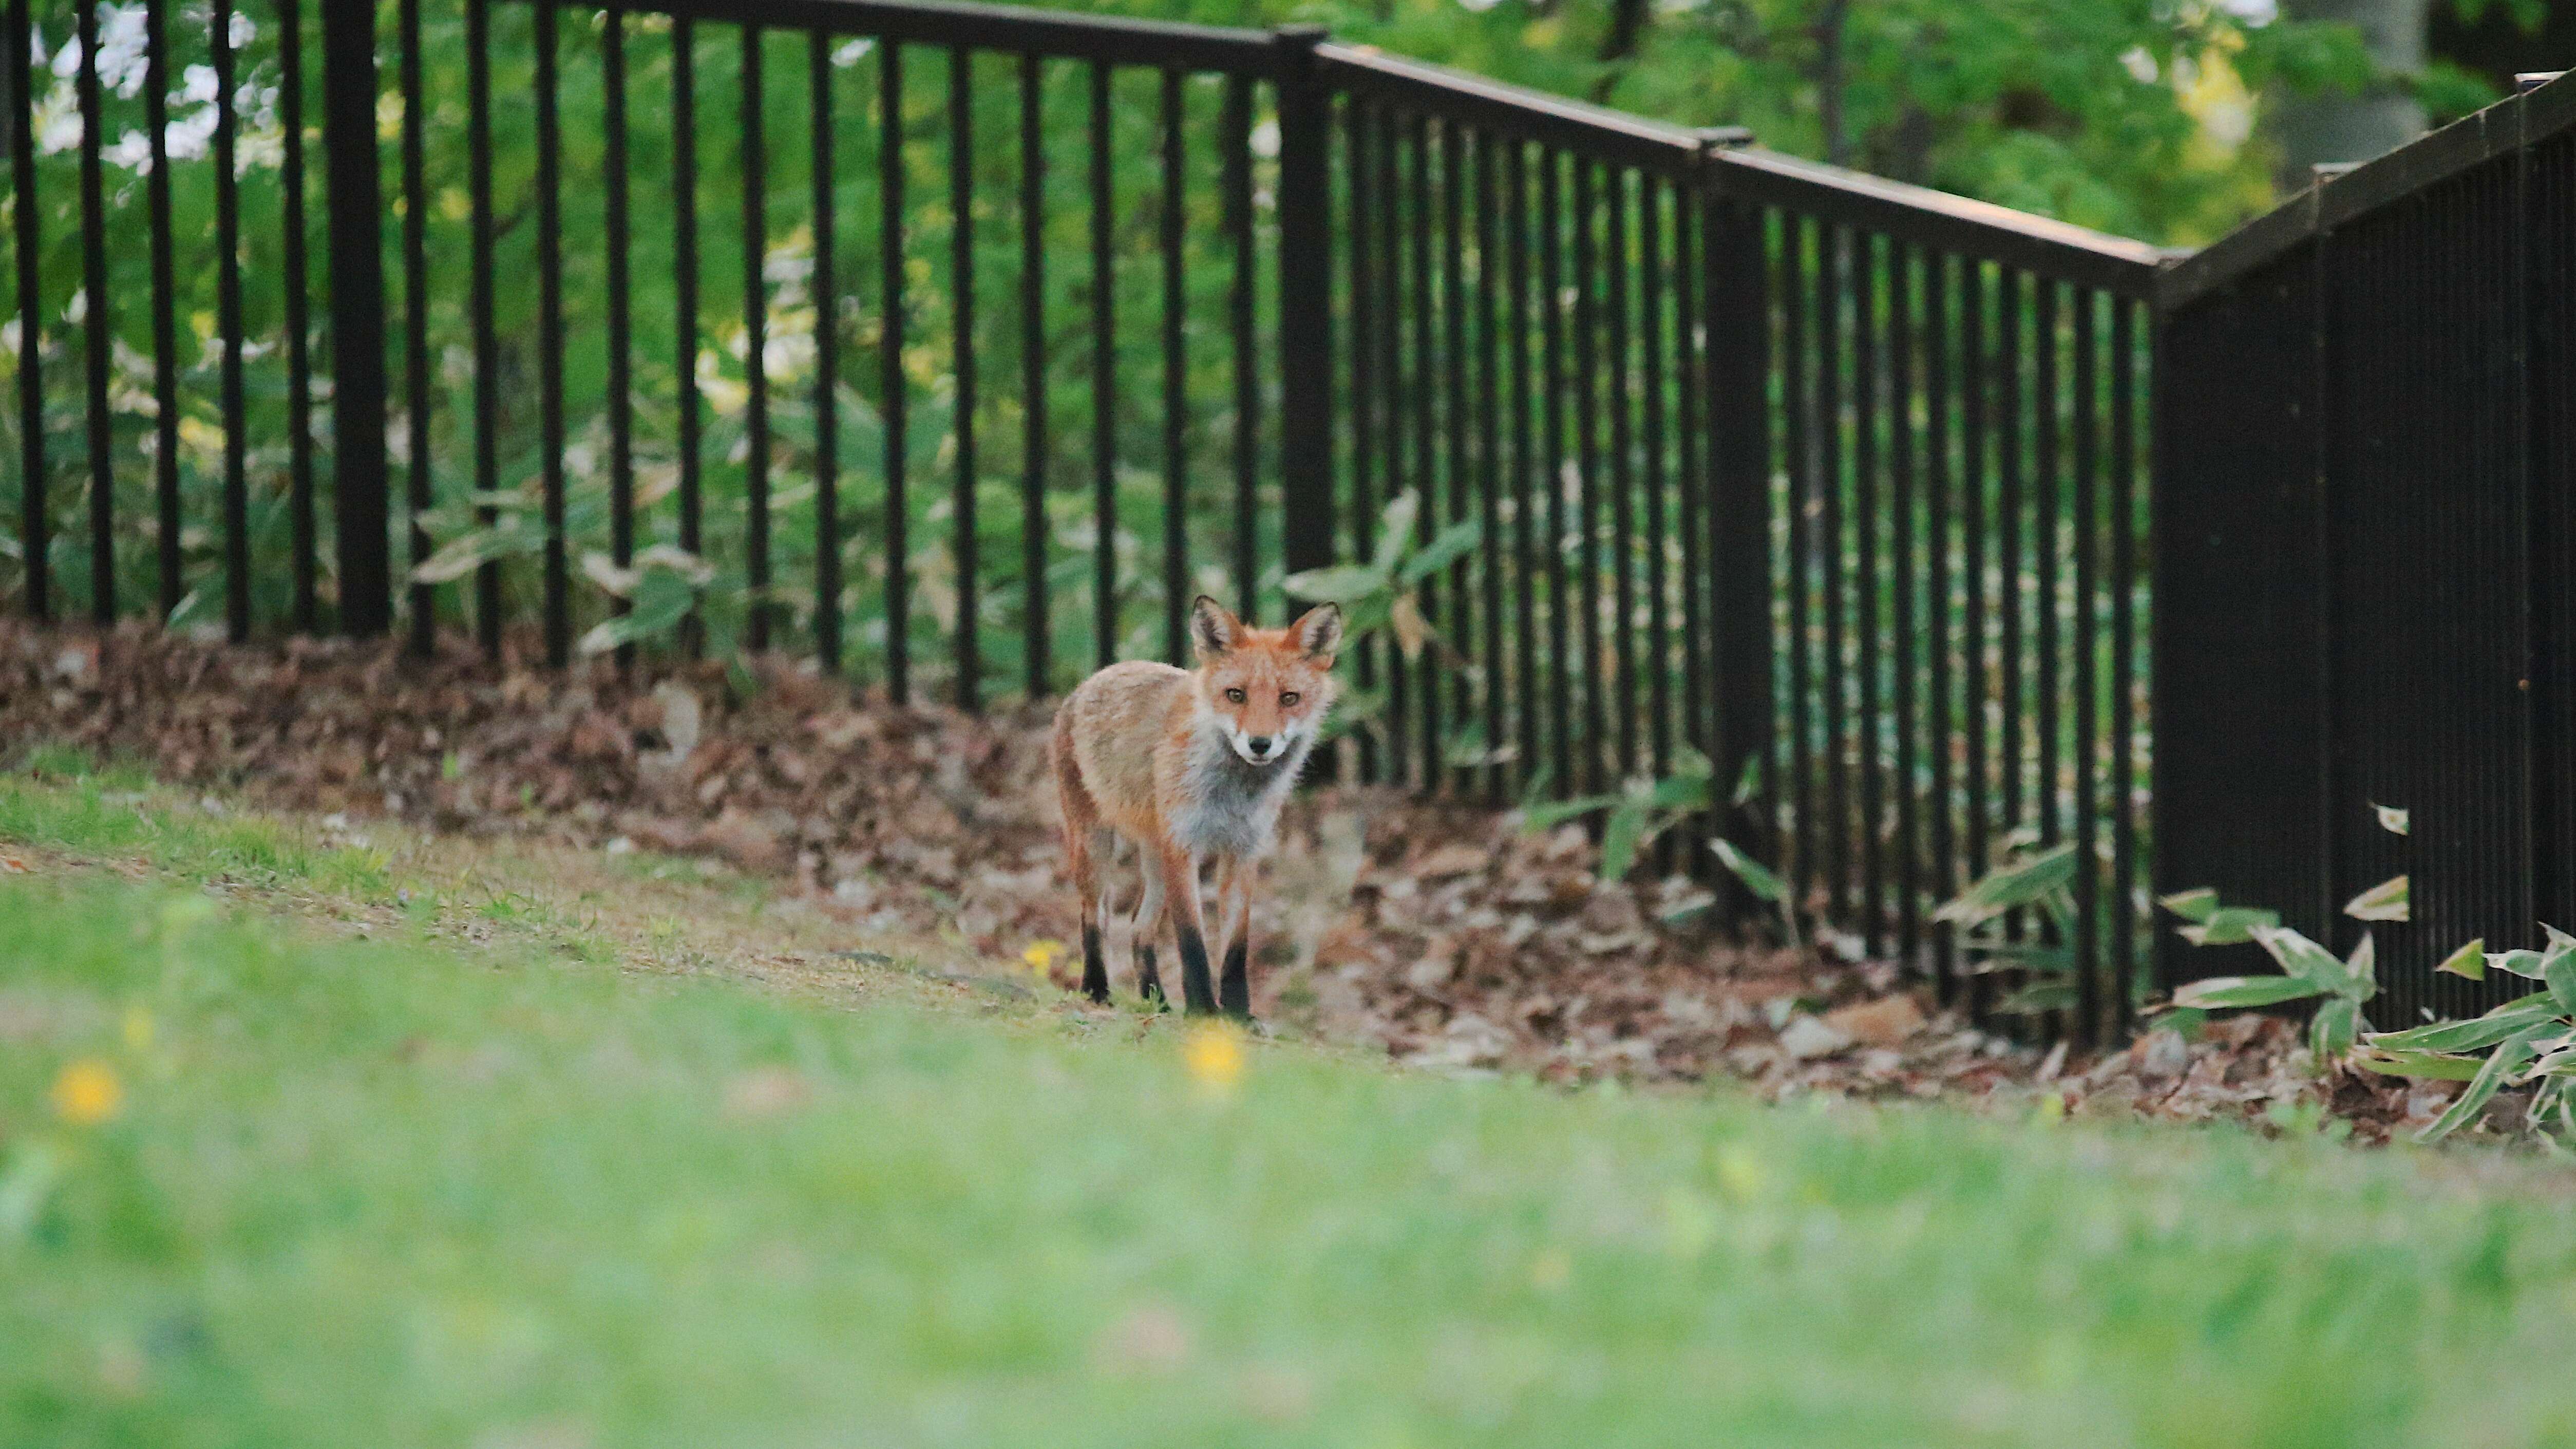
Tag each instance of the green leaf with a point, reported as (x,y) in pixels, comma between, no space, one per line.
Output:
(2469,961)
(2391,819)
(2522,963)
(2303,958)
(2055,994)
(1446,547)
(1620,838)
(1549,814)
(2362,969)
(1395,530)
(2229,926)
(2505,1060)
(2560,972)
(2224,991)
(1339,584)
(2010,886)
(1755,876)
(2193,905)
(2432,1065)
(2332,1029)
(2385,901)
(2527,1013)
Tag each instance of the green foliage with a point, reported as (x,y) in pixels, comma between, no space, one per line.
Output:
(2341,988)
(2530,1042)
(1639,814)
(1996,910)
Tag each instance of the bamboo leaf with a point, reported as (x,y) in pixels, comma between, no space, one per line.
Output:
(1756,877)
(2527,1013)
(2303,958)
(2506,1059)
(2385,901)
(1446,547)
(2429,1065)
(2192,905)
(2018,883)
(2391,819)
(2229,926)
(1339,584)
(2469,961)
(2226,991)
(2332,1029)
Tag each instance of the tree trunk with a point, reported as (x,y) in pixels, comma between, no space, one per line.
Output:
(2348,126)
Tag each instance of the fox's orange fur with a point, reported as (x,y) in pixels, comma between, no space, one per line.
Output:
(1191,766)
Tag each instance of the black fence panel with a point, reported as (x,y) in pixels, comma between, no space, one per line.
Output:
(2364,488)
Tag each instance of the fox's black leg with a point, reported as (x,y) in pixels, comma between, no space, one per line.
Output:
(1095,971)
(1198,995)
(1149,980)
(1235,987)
(1234,911)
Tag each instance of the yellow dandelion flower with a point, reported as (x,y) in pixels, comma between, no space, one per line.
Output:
(1042,955)
(1214,1055)
(87,1093)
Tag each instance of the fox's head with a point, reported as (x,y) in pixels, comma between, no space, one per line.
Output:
(1268,688)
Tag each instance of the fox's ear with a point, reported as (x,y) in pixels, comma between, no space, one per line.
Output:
(1213,627)
(1318,631)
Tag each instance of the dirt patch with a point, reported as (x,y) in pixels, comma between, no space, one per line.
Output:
(1446,933)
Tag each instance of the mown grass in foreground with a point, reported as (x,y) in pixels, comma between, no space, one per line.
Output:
(362,1193)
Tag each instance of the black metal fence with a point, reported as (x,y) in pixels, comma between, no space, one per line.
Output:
(962,344)
(2367,494)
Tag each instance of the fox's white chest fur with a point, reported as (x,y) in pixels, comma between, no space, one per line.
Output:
(1226,804)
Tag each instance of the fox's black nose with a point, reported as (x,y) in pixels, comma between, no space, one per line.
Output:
(1260,745)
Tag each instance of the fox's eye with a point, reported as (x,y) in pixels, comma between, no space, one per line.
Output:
(1236,695)
(1288,700)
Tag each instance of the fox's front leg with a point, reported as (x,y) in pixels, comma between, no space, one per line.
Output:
(1234,908)
(1149,927)
(1181,902)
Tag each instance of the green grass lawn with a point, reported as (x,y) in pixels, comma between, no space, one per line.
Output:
(412,1191)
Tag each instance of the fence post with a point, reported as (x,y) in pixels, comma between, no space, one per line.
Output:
(1737,327)
(1305,303)
(355,213)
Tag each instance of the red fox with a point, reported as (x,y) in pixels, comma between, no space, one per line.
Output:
(1191,765)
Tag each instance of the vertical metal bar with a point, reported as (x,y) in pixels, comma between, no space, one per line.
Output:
(1737,320)
(1906,644)
(1386,760)
(621,331)
(228,326)
(1525,464)
(2124,645)
(487,385)
(1418,696)
(1367,321)
(2087,641)
(961,213)
(1868,728)
(827,354)
(1176,363)
(360,499)
(550,342)
(1659,660)
(420,495)
(1692,483)
(1305,304)
(1941,323)
(1104,386)
(1489,465)
(95,310)
(684,264)
(1551,222)
(1587,445)
(165,342)
(893,396)
(1235,138)
(1833,287)
(1622,473)
(1975,675)
(1036,625)
(1453,412)
(750,123)
(35,528)
(2047,503)
(1796,290)
(299,361)
(2012,752)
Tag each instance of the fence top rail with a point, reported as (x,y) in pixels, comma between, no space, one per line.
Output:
(1748,173)
(1937,219)
(2507,126)
(1070,35)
